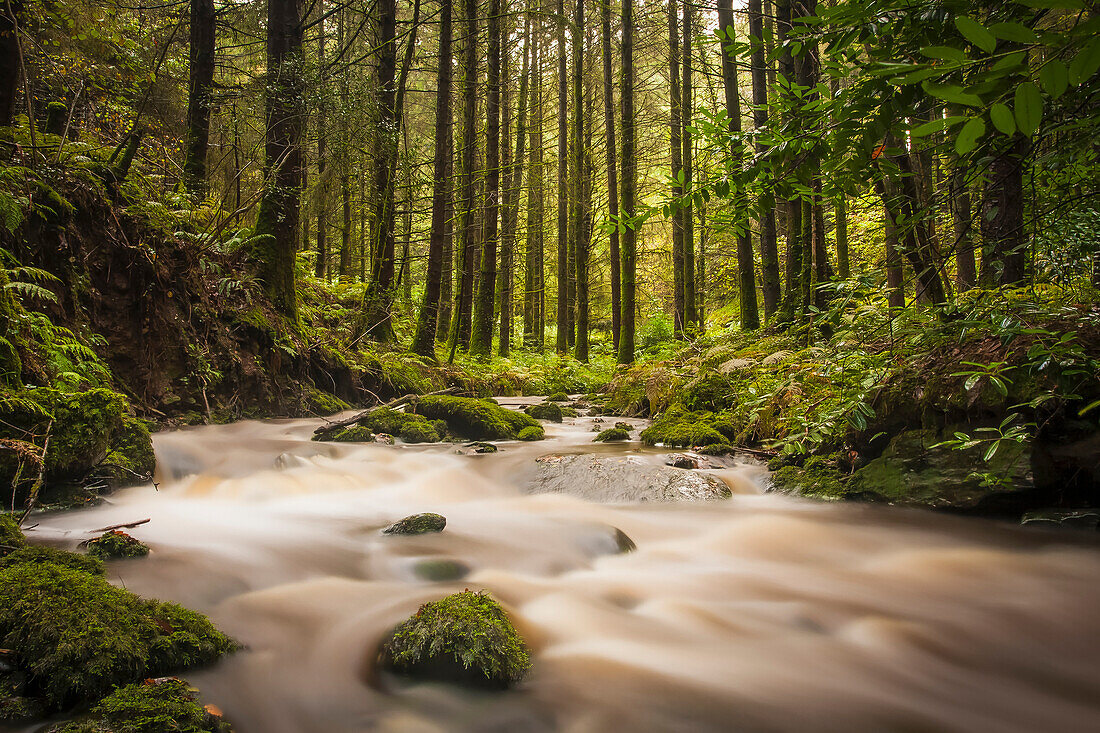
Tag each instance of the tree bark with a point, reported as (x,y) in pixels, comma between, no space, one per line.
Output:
(512,199)
(1004,249)
(769,248)
(612,167)
(579,176)
(200,89)
(562,341)
(533,277)
(686,213)
(629,172)
(277,222)
(322,149)
(481,343)
(962,216)
(676,157)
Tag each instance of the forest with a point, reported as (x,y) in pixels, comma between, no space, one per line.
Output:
(663,354)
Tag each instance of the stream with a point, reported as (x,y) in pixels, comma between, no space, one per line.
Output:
(757,613)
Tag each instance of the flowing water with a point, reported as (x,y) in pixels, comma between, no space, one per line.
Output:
(760,613)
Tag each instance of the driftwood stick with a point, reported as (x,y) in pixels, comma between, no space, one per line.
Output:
(394,403)
(129,525)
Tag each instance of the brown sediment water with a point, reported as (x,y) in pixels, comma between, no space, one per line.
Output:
(757,613)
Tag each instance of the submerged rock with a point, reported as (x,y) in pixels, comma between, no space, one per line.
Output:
(465,638)
(441,570)
(384,439)
(425,523)
(116,544)
(153,706)
(621,479)
(686,460)
(1079,519)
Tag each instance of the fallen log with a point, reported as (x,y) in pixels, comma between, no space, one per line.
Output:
(392,404)
(129,525)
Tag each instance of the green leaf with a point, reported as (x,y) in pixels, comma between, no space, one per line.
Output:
(971,381)
(1000,385)
(991,452)
(945,53)
(1054,77)
(1088,408)
(1013,32)
(1085,63)
(1002,119)
(936,125)
(1029,108)
(952,93)
(1047,4)
(976,33)
(968,136)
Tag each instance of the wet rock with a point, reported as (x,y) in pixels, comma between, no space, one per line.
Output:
(1080,519)
(550,411)
(535,432)
(114,545)
(621,479)
(354,434)
(558,397)
(418,524)
(612,435)
(602,539)
(384,439)
(623,542)
(440,570)
(478,447)
(686,460)
(465,639)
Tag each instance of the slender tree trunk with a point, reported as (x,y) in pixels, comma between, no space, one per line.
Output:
(446,278)
(796,245)
(428,321)
(346,231)
(579,175)
(611,165)
(676,156)
(200,90)
(687,105)
(562,343)
(481,343)
(895,282)
(629,168)
(322,150)
(843,259)
(1004,252)
(963,219)
(465,254)
(746,266)
(769,248)
(532,283)
(515,186)
(277,222)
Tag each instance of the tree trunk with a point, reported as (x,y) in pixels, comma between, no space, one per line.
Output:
(481,343)
(446,278)
(428,320)
(895,283)
(676,156)
(533,277)
(277,222)
(796,245)
(746,266)
(562,342)
(322,149)
(687,215)
(200,89)
(963,219)
(629,168)
(843,259)
(580,255)
(611,165)
(769,248)
(511,203)
(1004,250)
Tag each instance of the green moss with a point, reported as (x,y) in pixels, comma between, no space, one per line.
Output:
(154,706)
(678,428)
(475,419)
(354,434)
(465,638)
(83,427)
(440,570)
(131,457)
(320,402)
(11,538)
(425,523)
(78,636)
(36,554)
(545,411)
(558,397)
(116,544)
(611,435)
(419,432)
(530,434)
(817,481)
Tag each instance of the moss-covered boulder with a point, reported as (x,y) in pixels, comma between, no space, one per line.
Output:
(419,432)
(545,411)
(131,458)
(532,433)
(679,428)
(558,397)
(11,538)
(475,419)
(77,637)
(439,570)
(465,638)
(354,434)
(166,705)
(612,435)
(115,545)
(418,524)
(36,554)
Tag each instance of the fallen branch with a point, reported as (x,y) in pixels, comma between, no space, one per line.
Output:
(130,525)
(757,452)
(392,404)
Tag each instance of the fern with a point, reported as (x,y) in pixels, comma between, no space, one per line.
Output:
(32,291)
(12,404)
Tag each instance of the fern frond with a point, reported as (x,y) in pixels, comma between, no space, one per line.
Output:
(30,290)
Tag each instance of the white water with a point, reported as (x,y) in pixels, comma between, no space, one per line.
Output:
(761,613)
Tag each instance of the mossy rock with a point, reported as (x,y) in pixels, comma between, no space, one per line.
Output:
(480,447)
(78,637)
(167,705)
(425,523)
(612,435)
(37,554)
(535,432)
(115,545)
(474,419)
(85,424)
(558,397)
(131,457)
(678,428)
(11,538)
(465,638)
(567,411)
(550,411)
(813,480)
(419,432)
(320,402)
(354,434)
